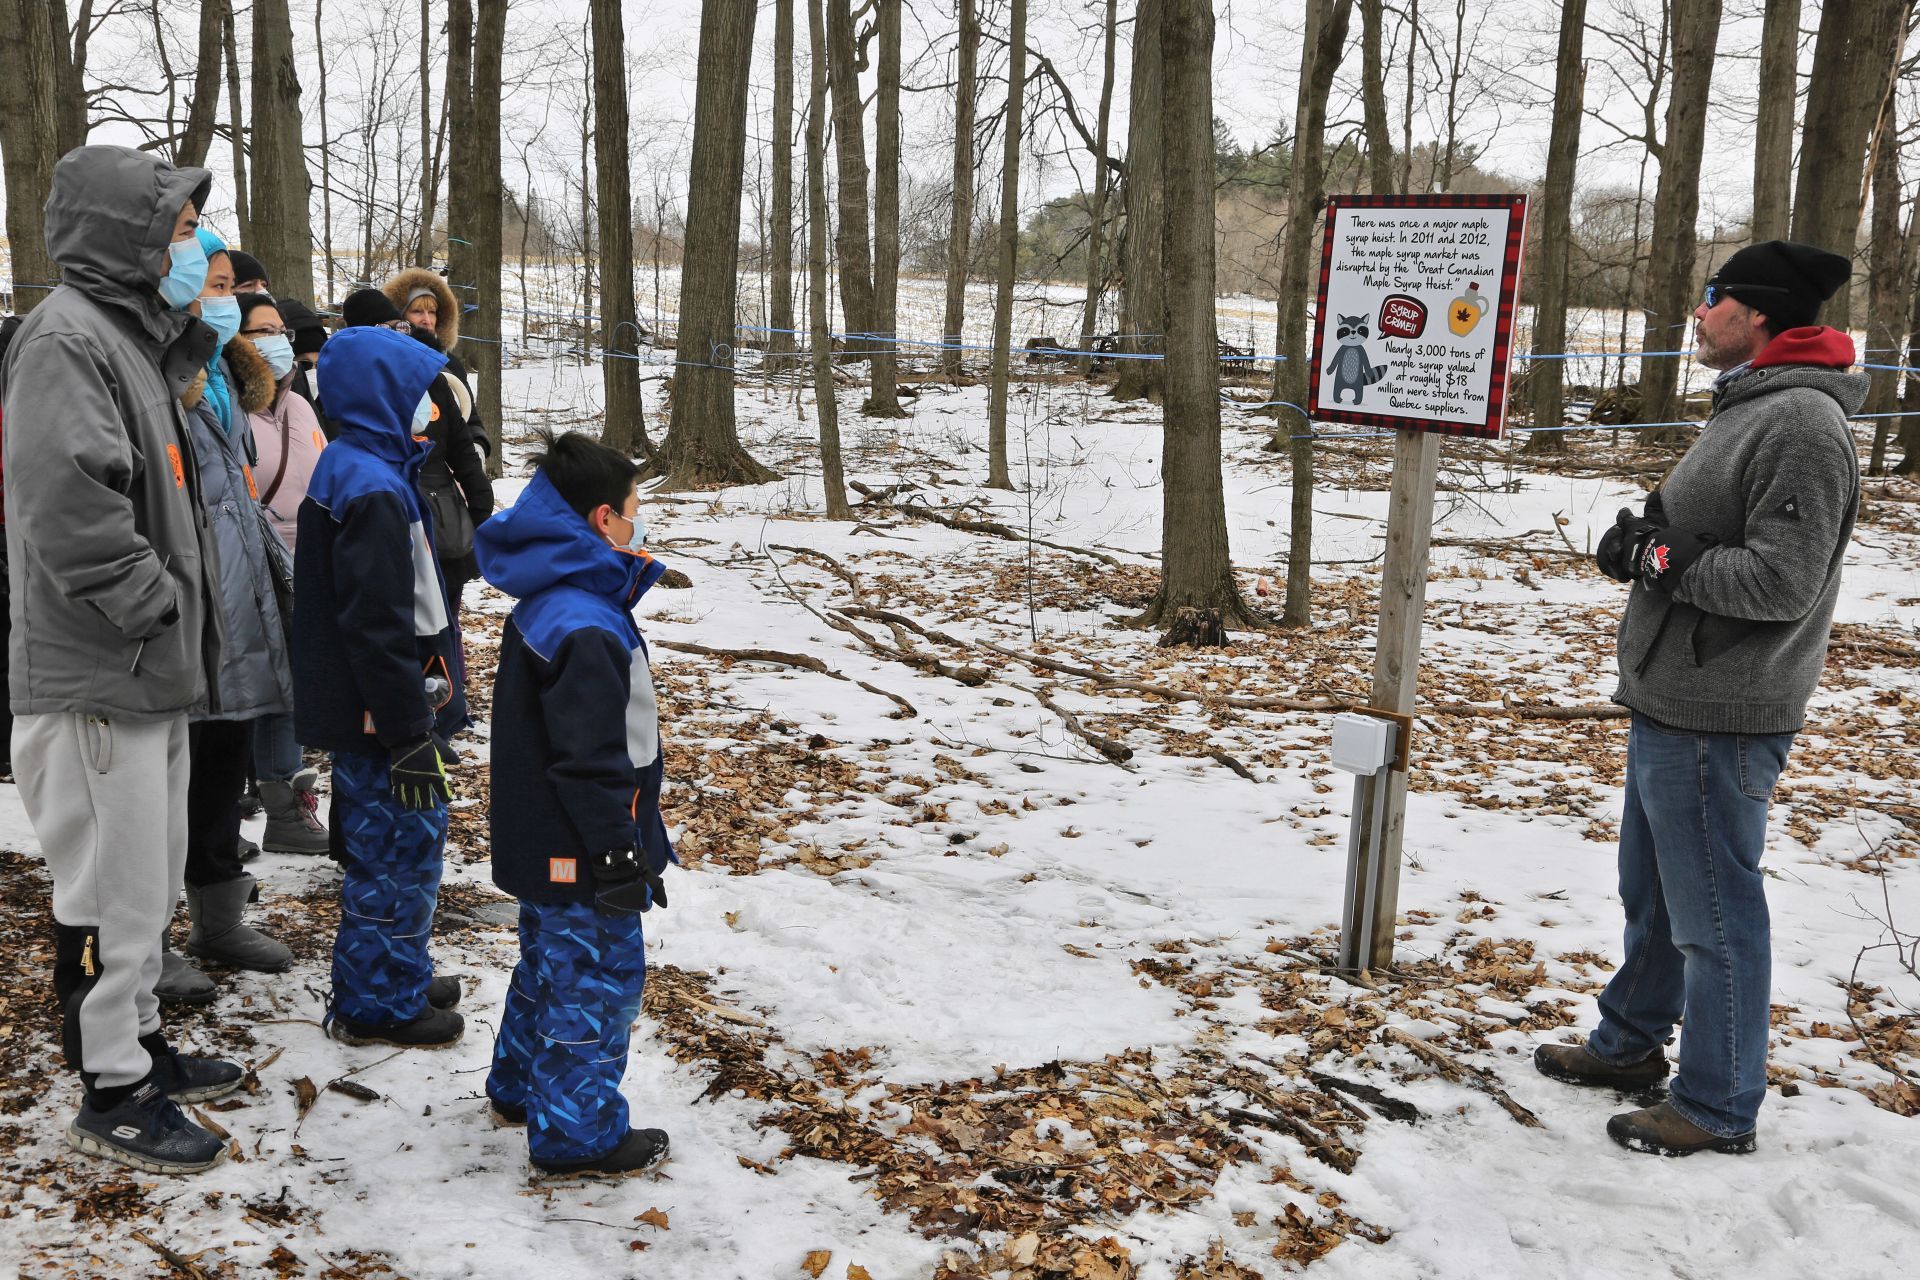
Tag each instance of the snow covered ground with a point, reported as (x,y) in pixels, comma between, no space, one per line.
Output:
(947,992)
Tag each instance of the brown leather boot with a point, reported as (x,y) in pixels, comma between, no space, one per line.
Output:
(1663,1131)
(1575,1064)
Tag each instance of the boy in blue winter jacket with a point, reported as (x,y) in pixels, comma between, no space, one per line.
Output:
(575,818)
(377,681)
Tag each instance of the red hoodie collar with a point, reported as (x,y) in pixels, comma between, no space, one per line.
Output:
(1813,344)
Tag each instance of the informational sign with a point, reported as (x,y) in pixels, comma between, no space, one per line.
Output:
(1415,318)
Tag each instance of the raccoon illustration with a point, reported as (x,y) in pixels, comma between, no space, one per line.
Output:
(1353,369)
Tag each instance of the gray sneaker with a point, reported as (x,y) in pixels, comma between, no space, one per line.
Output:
(148,1131)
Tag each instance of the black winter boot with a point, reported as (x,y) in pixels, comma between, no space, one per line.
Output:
(443,991)
(434,1029)
(185,1077)
(639,1151)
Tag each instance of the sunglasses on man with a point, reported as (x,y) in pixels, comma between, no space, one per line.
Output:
(1716,292)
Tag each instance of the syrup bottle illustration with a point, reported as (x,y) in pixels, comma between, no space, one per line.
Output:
(1464,312)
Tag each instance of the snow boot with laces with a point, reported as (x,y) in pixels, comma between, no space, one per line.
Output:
(293,815)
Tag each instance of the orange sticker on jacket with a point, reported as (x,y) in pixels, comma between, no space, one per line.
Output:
(253,490)
(179,472)
(319,441)
(562,871)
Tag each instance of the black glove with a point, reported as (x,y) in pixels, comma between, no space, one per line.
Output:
(625,883)
(1665,555)
(1620,545)
(416,774)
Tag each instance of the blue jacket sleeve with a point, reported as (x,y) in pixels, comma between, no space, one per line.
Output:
(373,579)
(583,701)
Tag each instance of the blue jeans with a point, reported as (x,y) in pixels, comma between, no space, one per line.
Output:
(1697,940)
(276,756)
(562,1046)
(389,886)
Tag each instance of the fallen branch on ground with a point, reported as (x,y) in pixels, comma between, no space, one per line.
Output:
(1462,1073)
(1112,748)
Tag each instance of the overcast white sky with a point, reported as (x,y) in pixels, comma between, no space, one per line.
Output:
(1508,81)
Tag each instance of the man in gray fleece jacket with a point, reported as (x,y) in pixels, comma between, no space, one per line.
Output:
(1735,565)
(112,637)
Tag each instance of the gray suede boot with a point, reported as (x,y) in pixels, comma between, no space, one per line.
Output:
(180,982)
(293,816)
(218,934)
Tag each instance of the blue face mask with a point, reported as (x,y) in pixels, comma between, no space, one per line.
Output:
(186,273)
(423,414)
(278,353)
(637,541)
(223,314)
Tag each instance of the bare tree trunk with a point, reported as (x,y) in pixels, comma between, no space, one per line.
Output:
(1908,435)
(1140,372)
(703,443)
(587,236)
(243,221)
(850,147)
(29,139)
(619,361)
(1850,85)
(476,50)
(1373,91)
(1552,249)
(1773,133)
(1676,206)
(1454,74)
(1097,209)
(780,341)
(203,108)
(883,400)
(820,340)
(1406,107)
(326,151)
(1890,266)
(997,477)
(423,242)
(70,73)
(1196,569)
(960,233)
(282,227)
(1326,37)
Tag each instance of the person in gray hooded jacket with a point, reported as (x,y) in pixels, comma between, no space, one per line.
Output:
(114,635)
(1736,570)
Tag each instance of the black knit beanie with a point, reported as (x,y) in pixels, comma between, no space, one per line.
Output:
(368,306)
(308,330)
(1784,281)
(246,267)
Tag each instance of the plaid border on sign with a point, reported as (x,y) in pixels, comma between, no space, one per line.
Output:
(1503,317)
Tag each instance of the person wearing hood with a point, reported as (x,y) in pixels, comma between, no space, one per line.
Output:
(309,334)
(115,629)
(454,478)
(378,683)
(253,679)
(575,821)
(287,442)
(1735,565)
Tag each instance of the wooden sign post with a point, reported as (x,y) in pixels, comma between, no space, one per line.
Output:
(1413,331)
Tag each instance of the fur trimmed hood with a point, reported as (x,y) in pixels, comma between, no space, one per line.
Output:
(447,326)
(250,376)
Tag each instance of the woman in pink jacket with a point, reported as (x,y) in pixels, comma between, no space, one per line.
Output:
(287,440)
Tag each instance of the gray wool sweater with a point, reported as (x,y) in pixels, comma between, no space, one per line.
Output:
(1739,645)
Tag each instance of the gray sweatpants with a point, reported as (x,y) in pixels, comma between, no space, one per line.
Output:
(108,801)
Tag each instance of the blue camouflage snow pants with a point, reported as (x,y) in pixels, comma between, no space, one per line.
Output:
(392,856)
(562,1046)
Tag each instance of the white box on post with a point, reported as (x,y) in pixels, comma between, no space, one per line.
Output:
(1362,744)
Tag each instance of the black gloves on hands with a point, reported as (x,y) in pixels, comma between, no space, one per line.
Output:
(625,883)
(1665,555)
(417,775)
(1644,548)
(1620,546)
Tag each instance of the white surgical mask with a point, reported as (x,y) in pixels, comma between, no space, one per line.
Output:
(277,351)
(422,414)
(186,273)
